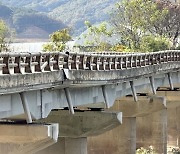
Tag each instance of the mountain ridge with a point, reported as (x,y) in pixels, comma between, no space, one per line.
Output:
(24,21)
(72,13)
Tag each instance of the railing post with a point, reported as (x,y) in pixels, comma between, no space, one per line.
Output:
(38,59)
(57,60)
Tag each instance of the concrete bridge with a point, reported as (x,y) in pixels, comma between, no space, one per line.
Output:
(35,87)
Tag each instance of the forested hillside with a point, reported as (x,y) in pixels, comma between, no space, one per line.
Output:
(29,23)
(72,13)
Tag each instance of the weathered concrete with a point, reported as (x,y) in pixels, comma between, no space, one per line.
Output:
(67,146)
(152,131)
(173,127)
(26,82)
(120,140)
(21,139)
(44,80)
(91,80)
(144,106)
(81,76)
(41,102)
(84,123)
(172,97)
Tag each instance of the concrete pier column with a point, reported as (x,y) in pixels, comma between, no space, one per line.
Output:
(67,146)
(173,111)
(178,126)
(76,128)
(152,131)
(173,134)
(120,140)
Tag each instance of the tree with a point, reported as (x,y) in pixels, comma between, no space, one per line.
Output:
(134,19)
(5,36)
(151,44)
(58,40)
(170,26)
(97,36)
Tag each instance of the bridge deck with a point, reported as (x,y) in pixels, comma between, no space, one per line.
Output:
(32,84)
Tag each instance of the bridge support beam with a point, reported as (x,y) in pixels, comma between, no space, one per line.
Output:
(151,79)
(170,81)
(105,95)
(69,100)
(26,107)
(145,105)
(133,91)
(21,139)
(84,123)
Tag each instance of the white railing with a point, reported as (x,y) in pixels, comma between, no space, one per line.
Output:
(23,63)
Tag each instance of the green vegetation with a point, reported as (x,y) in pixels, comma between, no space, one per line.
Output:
(154,43)
(169,27)
(149,150)
(135,22)
(58,40)
(96,36)
(5,36)
(142,25)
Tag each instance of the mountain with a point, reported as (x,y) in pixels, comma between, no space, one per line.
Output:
(72,13)
(29,23)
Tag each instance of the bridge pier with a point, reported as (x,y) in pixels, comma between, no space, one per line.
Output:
(146,105)
(75,128)
(123,139)
(152,131)
(21,139)
(120,140)
(173,104)
(84,123)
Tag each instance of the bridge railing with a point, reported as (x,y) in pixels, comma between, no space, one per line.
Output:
(24,63)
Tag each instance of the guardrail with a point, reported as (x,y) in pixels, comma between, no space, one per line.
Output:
(23,63)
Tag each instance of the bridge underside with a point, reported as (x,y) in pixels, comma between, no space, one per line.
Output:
(37,104)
